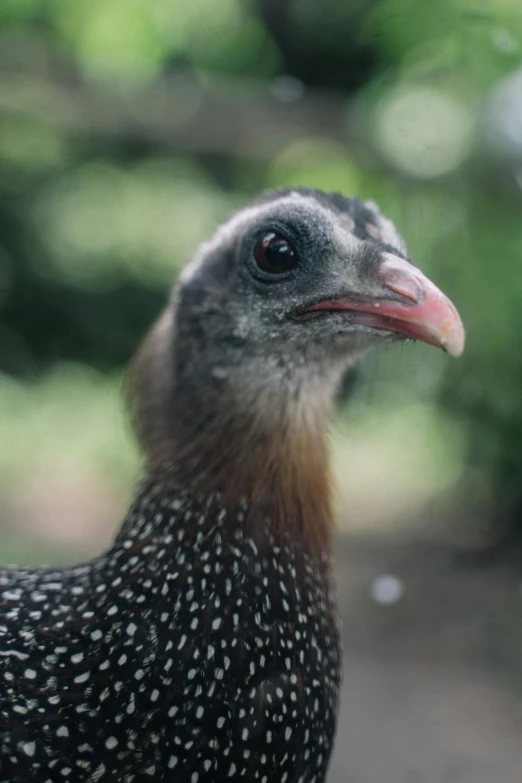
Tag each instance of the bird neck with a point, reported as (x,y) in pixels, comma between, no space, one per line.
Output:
(247,436)
(277,470)
(260,441)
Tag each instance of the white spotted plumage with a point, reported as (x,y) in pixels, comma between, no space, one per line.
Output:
(111,688)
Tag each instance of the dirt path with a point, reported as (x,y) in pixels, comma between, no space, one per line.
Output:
(433,682)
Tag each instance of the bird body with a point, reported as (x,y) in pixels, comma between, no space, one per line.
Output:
(196,649)
(204,645)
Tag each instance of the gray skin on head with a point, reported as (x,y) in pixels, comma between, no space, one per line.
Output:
(232,314)
(231,332)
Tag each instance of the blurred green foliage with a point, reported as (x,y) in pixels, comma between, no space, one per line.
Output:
(130,128)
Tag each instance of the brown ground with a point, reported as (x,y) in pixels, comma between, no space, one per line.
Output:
(433,683)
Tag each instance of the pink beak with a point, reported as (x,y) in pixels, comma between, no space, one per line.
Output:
(422,312)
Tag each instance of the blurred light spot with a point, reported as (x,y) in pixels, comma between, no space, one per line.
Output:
(387,590)
(425,449)
(103,223)
(504,41)
(314,163)
(56,468)
(502,122)
(116,40)
(287,89)
(423,131)
(29,144)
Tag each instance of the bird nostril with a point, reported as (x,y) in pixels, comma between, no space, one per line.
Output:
(401,280)
(409,289)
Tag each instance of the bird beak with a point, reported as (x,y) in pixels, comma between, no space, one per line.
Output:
(416,307)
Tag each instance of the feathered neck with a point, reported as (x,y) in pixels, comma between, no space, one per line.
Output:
(262,445)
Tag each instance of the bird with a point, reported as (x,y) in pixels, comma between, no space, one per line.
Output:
(204,645)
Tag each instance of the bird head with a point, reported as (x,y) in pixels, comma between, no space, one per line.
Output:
(269,315)
(301,282)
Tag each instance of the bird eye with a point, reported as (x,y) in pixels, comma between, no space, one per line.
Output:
(274,255)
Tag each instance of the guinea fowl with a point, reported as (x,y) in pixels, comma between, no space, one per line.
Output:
(203,646)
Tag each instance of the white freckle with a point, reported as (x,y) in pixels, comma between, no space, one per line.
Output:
(192,673)
(154,695)
(164,617)
(288,733)
(113,609)
(104,665)
(96,635)
(172,712)
(207,764)
(220,723)
(62,731)
(194,778)
(131,629)
(122,659)
(20,655)
(182,642)
(82,677)
(77,658)
(199,712)
(172,762)
(12,595)
(110,743)
(232,770)
(30,674)
(216,623)
(244,735)
(139,674)
(28,748)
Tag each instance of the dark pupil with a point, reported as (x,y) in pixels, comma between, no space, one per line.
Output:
(274,254)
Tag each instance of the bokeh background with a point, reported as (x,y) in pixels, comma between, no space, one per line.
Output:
(128,130)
